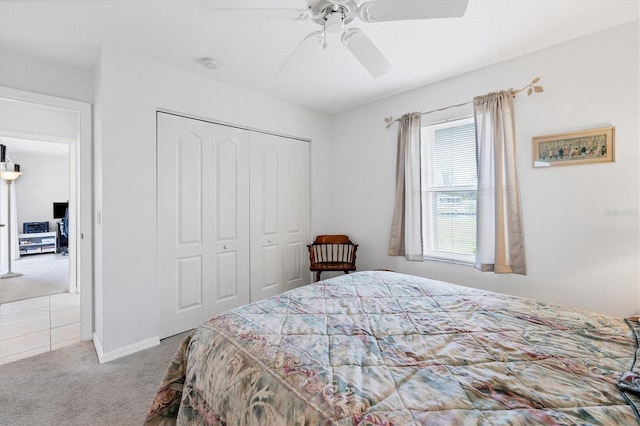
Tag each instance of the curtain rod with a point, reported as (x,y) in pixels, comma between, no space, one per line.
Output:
(531,88)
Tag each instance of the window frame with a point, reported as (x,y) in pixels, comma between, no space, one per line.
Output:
(427,131)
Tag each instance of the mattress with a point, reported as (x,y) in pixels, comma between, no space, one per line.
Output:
(382,348)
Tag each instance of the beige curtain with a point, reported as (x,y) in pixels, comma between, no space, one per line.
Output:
(406,227)
(500,238)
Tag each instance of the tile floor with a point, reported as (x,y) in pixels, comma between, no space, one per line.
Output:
(33,326)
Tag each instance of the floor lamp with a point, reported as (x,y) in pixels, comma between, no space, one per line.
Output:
(10,176)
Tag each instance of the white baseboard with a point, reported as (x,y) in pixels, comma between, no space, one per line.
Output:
(124,351)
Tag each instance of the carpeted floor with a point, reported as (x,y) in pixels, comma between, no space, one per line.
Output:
(42,275)
(69,387)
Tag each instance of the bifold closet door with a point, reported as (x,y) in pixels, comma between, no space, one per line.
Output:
(280,228)
(203,220)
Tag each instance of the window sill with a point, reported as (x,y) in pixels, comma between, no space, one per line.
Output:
(454,261)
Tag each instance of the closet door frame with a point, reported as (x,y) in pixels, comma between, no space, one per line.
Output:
(213,304)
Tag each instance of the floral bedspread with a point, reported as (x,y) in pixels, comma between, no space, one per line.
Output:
(381,348)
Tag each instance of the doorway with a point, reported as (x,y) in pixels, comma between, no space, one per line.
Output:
(35,117)
(39,197)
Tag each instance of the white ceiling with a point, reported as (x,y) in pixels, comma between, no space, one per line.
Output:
(251,50)
(34,147)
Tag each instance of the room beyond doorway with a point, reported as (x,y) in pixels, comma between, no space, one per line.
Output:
(42,275)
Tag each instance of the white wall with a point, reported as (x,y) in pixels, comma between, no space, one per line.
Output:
(129,90)
(38,75)
(576,253)
(98,282)
(45,180)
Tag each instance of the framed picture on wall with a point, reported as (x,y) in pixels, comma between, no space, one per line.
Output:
(564,149)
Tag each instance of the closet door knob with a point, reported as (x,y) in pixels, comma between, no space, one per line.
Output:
(226,246)
(270,240)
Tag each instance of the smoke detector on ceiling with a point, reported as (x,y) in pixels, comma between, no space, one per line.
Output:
(209,63)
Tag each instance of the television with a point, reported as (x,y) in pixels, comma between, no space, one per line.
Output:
(59,209)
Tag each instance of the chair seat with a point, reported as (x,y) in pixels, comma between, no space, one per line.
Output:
(332,266)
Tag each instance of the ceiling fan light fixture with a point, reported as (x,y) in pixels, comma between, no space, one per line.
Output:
(334,22)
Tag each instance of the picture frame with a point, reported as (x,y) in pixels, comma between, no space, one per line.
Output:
(582,147)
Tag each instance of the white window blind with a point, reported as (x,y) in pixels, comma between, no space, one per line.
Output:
(449,188)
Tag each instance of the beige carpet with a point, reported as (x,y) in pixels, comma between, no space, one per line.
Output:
(42,275)
(69,387)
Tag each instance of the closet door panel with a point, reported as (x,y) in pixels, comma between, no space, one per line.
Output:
(292,184)
(296,222)
(227,277)
(227,176)
(231,219)
(279,227)
(203,223)
(181,239)
(271,272)
(266,187)
(265,225)
(295,253)
(189,172)
(190,286)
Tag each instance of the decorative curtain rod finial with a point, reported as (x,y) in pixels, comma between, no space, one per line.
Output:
(531,87)
(389,121)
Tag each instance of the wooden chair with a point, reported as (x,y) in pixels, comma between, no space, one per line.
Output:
(332,253)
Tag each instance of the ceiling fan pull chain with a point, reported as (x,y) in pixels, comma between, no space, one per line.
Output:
(324,35)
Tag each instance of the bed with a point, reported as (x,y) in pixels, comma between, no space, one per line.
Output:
(382,348)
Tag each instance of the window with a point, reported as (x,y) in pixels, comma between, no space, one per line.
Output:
(449,188)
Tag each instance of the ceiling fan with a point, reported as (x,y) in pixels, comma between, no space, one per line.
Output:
(335,15)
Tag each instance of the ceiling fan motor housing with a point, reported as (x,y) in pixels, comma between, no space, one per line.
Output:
(322,9)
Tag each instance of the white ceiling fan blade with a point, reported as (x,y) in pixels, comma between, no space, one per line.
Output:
(366,52)
(256,4)
(400,10)
(262,10)
(304,50)
(256,14)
